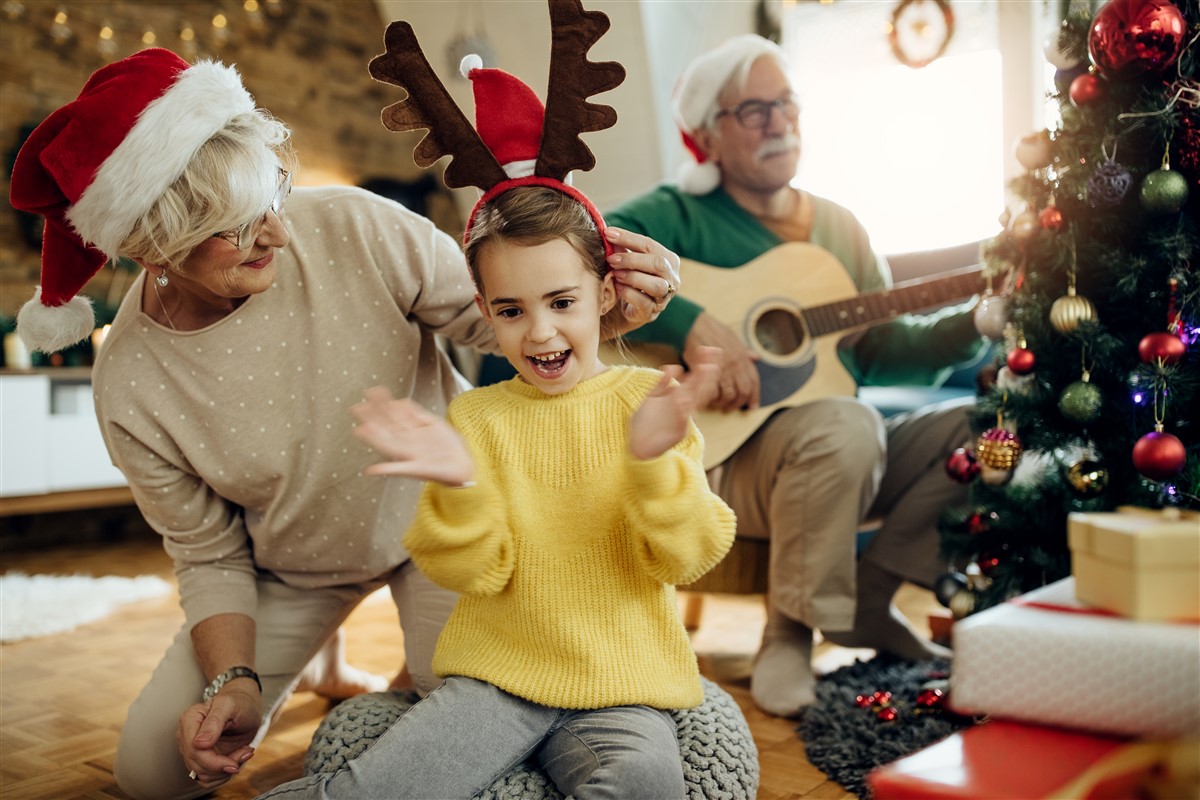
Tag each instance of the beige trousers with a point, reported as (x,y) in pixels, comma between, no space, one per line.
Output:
(811,474)
(292,626)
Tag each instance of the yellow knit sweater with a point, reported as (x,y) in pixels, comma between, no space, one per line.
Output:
(567,549)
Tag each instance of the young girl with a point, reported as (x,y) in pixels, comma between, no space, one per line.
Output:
(563,505)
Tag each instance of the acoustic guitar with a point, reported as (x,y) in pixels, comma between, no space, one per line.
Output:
(791,306)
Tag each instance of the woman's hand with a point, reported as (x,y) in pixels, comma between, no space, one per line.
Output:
(739,385)
(214,737)
(661,421)
(646,274)
(413,442)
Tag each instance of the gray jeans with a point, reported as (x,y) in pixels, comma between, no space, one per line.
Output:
(292,625)
(466,733)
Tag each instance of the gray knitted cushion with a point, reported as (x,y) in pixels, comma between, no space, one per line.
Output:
(720,761)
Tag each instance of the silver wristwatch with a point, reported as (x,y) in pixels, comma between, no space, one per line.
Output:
(225,677)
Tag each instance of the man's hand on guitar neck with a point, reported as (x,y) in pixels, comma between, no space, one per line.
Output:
(738,386)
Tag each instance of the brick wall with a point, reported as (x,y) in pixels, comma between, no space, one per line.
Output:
(304,60)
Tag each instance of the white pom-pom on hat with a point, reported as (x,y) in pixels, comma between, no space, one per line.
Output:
(469,62)
(699,179)
(53,328)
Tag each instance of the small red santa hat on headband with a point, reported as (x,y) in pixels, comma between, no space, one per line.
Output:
(695,99)
(95,166)
(510,119)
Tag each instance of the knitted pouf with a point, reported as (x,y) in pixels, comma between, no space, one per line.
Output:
(720,761)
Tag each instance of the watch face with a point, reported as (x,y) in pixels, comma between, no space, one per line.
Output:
(921,31)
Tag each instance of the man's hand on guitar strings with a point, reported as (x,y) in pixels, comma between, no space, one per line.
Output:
(738,386)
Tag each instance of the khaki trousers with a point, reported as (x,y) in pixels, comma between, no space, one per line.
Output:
(292,626)
(811,474)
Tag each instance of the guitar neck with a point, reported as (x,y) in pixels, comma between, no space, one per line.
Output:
(914,295)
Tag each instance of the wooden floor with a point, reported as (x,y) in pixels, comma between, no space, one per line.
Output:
(63,698)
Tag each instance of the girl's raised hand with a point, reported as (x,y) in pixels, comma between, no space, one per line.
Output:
(662,420)
(413,442)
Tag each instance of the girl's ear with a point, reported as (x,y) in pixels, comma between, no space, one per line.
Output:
(608,294)
(481,304)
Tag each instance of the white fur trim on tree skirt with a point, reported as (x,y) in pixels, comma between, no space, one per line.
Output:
(49,329)
(167,134)
(40,605)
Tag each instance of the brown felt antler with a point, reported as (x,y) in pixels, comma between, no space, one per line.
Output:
(430,106)
(572,80)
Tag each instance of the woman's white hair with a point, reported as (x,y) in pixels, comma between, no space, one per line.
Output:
(233,177)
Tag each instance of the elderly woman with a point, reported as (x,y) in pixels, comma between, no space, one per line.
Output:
(223,388)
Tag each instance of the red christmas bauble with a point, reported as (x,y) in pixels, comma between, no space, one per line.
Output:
(1051,218)
(962,466)
(1129,38)
(1162,346)
(1021,360)
(1159,456)
(1085,89)
(981,522)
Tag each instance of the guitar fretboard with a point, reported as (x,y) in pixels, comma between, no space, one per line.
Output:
(912,295)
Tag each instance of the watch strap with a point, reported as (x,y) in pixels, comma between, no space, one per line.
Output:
(225,677)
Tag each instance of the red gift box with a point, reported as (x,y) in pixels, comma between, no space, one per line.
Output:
(1002,760)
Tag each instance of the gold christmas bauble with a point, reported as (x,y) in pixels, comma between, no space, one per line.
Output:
(1070,310)
(998,448)
(1087,477)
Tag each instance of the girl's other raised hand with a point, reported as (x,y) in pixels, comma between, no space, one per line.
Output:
(662,420)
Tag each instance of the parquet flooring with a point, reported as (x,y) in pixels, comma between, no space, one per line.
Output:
(63,698)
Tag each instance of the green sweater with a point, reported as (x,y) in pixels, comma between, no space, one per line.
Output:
(715,230)
(566,550)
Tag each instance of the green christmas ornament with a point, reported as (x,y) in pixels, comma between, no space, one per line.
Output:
(1164,191)
(1080,401)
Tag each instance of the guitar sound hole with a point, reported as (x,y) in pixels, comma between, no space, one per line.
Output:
(779,332)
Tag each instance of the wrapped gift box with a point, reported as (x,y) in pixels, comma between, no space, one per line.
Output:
(1006,760)
(1140,563)
(1046,658)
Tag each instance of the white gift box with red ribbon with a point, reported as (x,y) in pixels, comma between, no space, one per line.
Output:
(1045,657)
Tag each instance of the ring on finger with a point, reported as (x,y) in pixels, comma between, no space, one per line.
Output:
(670,290)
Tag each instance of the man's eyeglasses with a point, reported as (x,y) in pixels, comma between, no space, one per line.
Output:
(756,114)
(246,234)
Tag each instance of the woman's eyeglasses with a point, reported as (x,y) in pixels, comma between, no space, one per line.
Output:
(756,114)
(246,234)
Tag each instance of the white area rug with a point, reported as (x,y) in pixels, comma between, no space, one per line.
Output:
(39,605)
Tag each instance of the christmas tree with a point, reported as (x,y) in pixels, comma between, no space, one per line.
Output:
(1095,307)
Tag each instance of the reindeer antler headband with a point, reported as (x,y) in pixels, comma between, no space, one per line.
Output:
(526,145)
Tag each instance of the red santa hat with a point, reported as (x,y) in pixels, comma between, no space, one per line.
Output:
(695,99)
(97,165)
(509,118)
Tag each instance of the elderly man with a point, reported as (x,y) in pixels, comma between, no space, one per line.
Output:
(810,474)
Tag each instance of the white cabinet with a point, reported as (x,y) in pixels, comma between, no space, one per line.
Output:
(49,438)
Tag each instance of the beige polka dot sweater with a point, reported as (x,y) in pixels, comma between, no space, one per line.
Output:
(236,438)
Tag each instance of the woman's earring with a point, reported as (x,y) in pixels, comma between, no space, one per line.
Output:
(162,278)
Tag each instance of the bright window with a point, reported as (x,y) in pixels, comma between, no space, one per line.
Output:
(915,154)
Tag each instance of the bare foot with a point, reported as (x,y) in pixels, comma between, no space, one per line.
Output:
(331,677)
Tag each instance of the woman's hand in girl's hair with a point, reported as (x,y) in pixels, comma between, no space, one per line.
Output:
(646,273)
(413,442)
(662,420)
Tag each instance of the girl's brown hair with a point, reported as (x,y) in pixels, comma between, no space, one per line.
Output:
(533,215)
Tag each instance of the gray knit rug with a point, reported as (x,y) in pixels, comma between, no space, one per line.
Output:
(846,740)
(720,761)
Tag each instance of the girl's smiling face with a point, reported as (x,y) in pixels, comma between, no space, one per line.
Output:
(545,304)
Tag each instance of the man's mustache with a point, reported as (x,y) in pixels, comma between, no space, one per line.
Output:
(789,141)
